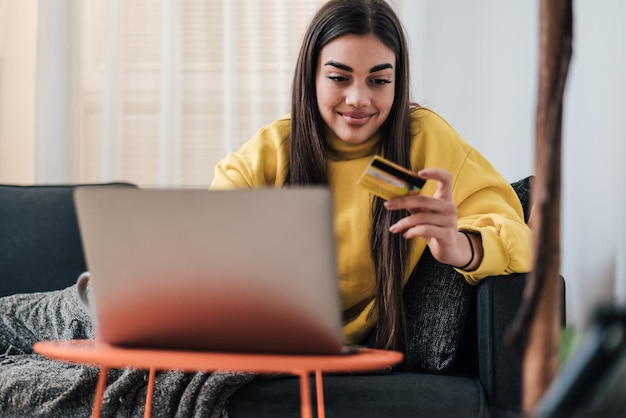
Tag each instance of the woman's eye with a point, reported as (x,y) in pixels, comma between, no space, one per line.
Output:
(381,81)
(338,78)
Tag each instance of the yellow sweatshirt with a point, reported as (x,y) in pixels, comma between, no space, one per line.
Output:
(486,203)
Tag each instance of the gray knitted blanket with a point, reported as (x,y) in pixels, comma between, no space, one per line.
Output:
(33,386)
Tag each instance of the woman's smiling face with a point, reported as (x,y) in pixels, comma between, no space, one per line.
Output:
(355,85)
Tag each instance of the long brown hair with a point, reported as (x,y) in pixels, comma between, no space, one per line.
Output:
(308,147)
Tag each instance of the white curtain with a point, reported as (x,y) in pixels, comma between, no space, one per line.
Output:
(180,84)
(170,116)
(111,148)
(152,92)
(57,93)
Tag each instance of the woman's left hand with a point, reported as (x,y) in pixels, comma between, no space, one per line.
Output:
(434,218)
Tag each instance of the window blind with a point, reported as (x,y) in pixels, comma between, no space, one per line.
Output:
(237,60)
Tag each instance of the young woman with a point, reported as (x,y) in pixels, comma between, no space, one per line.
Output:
(350,101)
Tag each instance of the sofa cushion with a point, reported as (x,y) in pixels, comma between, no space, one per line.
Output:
(40,246)
(437,300)
(522,188)
(397,394)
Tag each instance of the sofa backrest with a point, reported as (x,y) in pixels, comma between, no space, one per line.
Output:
(40,245)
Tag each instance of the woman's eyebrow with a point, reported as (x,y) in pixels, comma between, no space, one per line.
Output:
(380,67)
(345,67)
(339,65)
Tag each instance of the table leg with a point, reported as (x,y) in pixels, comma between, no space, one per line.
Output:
(319,390)
(305,396)
(97,399)
(149,393)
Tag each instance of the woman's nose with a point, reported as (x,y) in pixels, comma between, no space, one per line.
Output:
(357,95)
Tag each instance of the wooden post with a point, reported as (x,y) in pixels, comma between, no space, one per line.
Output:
(535,334)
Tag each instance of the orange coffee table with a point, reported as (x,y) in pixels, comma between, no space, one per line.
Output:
(107,356)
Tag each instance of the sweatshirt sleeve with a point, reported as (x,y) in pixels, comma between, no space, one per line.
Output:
(232,173)
(260,162)
(489,206)
(486,202)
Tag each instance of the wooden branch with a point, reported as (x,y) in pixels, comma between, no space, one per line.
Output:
(535,334)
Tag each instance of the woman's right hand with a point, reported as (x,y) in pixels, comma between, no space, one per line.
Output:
(436,220)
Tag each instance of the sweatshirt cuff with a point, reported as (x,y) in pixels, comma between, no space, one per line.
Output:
(495,257)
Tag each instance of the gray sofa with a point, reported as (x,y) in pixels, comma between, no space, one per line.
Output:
(458,365)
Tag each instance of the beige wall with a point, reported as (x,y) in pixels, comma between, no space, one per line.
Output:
(477,63)
(17,87)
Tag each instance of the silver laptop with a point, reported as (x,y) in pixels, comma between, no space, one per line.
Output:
(222,270)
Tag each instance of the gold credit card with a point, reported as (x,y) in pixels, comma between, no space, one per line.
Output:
(388,180)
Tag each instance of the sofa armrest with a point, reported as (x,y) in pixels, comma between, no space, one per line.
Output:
(497,302)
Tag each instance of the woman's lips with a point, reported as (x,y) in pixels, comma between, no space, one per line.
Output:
(358,119)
